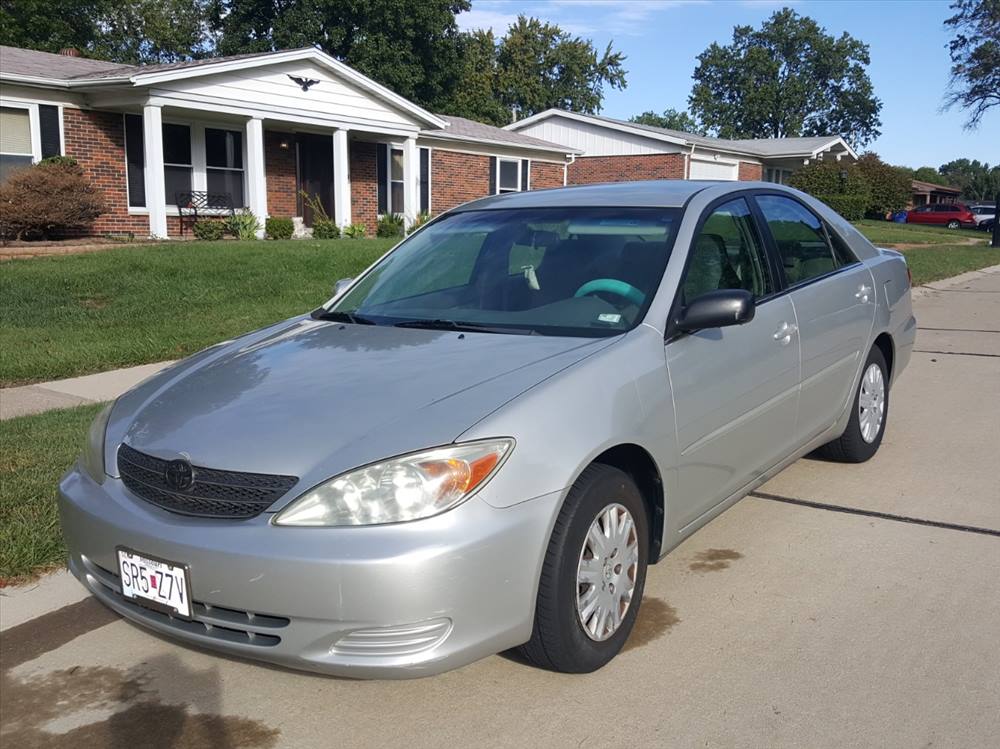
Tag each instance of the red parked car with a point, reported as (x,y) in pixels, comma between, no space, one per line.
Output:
(952,215)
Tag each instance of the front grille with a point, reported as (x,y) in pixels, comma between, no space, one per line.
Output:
(214,493)
(228,625)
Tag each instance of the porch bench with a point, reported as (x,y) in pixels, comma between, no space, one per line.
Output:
(197,204)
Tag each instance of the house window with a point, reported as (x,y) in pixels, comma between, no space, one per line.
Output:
(389,169)
(778,176)
(135,164)
(224,163)
(15,140)
(177,166)
(508,175)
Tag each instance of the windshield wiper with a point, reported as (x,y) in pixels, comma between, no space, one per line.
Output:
(338,316)
(471,327)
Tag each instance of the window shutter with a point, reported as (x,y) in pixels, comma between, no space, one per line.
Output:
(525,171)
(382,175)
(493,175)
(135,160)
(48,122)
(425,180)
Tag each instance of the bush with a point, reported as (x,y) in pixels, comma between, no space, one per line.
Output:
(324,228)
(355,231)
(851,207)
(46,199)
(390,225)
(889,187)
(279,227)
(60,160)
(243,224)
(422,218)
(209,230)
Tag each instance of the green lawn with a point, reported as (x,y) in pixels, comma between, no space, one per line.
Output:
(71,315)
(888,232)
(34,453)
(941,261)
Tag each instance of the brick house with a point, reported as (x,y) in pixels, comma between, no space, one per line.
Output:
(258,129)
(611,150)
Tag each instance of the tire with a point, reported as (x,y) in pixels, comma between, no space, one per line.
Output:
(559,641)
(953,225)
(856,445)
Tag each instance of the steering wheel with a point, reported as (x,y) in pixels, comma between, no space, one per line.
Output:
(612,286)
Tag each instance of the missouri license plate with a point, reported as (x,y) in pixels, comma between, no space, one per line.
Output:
(154,582)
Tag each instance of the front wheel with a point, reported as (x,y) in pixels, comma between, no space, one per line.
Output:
(870,409)
(593,574)
(953,224)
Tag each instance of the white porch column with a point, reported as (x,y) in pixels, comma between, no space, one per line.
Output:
(411,181)
(341,179)
(256,179)
(156,193)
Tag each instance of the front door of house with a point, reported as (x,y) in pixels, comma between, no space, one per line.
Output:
(315,153)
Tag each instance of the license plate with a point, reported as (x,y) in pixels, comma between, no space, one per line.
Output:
(156,583)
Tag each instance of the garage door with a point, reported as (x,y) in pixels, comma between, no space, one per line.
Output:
(713,170)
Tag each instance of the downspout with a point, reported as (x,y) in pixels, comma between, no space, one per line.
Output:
(567,165)
(687,163)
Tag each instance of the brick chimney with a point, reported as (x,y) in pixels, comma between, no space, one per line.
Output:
(70,52)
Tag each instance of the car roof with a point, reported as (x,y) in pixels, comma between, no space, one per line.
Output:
(663,193)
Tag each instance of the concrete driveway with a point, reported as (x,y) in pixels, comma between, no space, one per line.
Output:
(839,606)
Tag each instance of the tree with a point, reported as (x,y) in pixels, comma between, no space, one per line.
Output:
(131,32)
(788,78)
(977,180)
(540,66)
(975,58)
(869,187)
(930,174)
(476,96)
(671,119)
(410,46)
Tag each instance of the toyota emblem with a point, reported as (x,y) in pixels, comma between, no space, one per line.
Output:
(179,475)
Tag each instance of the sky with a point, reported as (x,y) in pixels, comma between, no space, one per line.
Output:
(662,38)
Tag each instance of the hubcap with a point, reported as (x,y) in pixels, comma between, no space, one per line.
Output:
(871,403)
(605,577)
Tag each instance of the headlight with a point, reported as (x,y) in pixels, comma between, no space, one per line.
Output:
(406,488)
(92,458)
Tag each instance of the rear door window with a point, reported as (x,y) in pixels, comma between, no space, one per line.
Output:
(800,238)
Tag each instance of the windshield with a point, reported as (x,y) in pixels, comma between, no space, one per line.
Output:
(550,271)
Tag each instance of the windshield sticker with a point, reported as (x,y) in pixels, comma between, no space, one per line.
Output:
(607,317)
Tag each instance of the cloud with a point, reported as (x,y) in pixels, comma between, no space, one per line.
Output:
(579,17)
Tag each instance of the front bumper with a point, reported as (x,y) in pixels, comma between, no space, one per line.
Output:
(393,601)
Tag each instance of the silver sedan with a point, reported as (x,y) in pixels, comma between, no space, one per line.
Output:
(483,441)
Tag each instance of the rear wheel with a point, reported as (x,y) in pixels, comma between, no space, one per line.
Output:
(593,575)
(953,224)
(861,440)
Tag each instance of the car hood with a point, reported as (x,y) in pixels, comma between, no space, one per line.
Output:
(312,398)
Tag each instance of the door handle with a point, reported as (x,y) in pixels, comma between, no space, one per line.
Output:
(785,332)
(863,293)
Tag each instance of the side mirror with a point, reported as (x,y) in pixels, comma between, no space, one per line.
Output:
(717,309)
(341,286)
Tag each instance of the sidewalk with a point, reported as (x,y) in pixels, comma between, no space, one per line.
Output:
(105,386)
(76,391)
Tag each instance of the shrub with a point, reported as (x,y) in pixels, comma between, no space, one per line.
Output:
(60,160)
(390,225)
(355,231)
(889,187)
(48,199)
(851,207)
(324,228)
(209,230)
(279,227)
(422,218)
(243,224)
